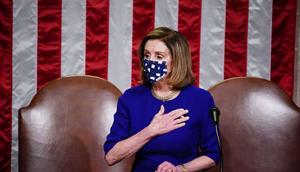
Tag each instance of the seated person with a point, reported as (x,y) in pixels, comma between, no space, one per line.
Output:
(165,120)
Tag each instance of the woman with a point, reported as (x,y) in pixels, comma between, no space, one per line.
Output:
(166,119)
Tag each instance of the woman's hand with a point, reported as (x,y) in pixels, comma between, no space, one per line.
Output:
(164,123)
(166,167)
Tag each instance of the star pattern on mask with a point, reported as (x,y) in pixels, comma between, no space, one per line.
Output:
(154,70)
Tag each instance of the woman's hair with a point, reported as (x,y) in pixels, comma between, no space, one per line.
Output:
(181,73)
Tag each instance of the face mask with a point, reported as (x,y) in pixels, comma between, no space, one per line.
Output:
(154,70)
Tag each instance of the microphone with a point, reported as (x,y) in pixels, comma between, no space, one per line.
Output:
(215,114)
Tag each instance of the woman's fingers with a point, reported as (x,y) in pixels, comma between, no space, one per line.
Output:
(179,114)
(176,111)
(162,166)
(166,167)
(169,170)
(178,125)
(161,110)
(181,119)
(164,123)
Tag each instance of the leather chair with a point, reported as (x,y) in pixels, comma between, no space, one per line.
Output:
(259,125)
(65,126)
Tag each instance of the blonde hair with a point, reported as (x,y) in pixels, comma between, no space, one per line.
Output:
(181,73)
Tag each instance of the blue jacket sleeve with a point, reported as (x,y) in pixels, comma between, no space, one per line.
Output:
(120,127)
(208,137)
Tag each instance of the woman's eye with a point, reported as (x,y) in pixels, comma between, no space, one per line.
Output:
(146,56)
(160,57)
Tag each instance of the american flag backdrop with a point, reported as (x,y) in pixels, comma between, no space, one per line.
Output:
(41,40)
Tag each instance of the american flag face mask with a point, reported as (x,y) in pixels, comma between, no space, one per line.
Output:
(154,70)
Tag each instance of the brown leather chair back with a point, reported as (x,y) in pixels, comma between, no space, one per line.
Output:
(260,126)
(65,126)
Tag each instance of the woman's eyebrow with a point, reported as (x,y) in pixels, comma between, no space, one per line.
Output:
(156,52)
(161,52)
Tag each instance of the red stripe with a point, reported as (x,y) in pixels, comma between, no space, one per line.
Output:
(189,24)
(143,22)
(283,44)
(6,21)
(49,41)
(97,29)
(236,34)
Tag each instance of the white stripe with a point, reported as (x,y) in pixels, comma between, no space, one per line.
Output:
(120,43)
(212,42)
(259,38)
(73,37)
(24,64)
(166,13)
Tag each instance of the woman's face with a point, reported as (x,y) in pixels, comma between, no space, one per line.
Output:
(156,50)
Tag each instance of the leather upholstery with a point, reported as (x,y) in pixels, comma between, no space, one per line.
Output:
(260,126)
(65,125)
